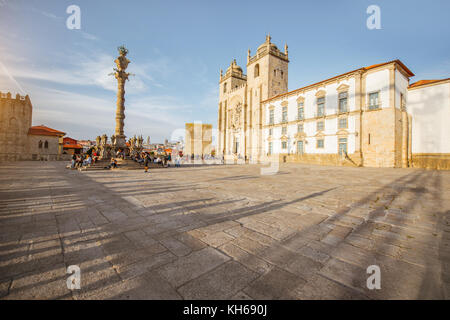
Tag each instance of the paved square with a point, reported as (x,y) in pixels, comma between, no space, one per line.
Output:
(224,232)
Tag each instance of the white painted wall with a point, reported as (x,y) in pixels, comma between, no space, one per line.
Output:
(401,86)
(430,111)
(378,81)
(310,106)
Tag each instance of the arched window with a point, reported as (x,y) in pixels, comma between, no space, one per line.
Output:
(40,144)
(256,70)
(274,73)
(225,87)
(46,144)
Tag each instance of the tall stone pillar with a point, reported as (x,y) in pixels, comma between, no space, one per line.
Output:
(121,76)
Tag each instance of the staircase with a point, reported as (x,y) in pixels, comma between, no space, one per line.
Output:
(99,165)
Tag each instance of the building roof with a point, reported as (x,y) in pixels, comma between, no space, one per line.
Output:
(72,146)
(45,131)
(424,82)
(409,72)
(344,74)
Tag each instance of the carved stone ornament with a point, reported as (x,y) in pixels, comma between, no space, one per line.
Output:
(236,117)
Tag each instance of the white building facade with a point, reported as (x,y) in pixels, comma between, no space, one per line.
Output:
(370,116)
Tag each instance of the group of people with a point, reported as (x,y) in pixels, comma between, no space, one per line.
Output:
(144,158)
(83,160)
(163,160)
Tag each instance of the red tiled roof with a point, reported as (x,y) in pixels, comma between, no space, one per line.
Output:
(44,131)
(72,146)
(68,140)
(423,82)
(409,72)
(350,72)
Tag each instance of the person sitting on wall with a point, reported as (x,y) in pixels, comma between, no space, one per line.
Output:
(112,164)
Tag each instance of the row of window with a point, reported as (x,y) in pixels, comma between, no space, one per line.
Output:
(320,144)
(320,126)
(320,102)
(41,143)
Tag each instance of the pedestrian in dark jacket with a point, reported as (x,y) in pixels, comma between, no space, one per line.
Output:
(146,161)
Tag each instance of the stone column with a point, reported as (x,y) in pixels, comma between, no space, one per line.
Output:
(121,76)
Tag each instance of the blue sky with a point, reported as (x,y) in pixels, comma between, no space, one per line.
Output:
(178,47)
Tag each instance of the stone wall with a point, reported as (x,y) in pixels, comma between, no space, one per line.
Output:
(15,120)
(334,159)
(378,138)
(36,153)
(198,139)
(438,161)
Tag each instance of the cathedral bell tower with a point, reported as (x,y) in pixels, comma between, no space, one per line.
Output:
(240,117)
(232,106)
(267,76)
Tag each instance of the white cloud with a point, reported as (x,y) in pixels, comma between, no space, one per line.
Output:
(81,70)
(88,36)
(83,111)
(85,116)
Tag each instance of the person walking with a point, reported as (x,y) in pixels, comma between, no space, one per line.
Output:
(169,159)
(74,159)
(146,161)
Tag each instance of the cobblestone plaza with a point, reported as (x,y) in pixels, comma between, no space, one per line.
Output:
(224,232)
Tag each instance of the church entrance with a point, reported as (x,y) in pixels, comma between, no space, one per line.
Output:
(236,145)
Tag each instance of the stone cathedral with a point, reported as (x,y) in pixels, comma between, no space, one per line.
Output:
(371,116)
(240,119)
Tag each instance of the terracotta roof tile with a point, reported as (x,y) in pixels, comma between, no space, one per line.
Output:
(72,146)
(44,131)
(423,82)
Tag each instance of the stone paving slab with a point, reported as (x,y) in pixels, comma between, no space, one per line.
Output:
(224,232)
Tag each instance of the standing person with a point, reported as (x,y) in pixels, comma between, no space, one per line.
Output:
(74,159)
(169,159)
(146,161)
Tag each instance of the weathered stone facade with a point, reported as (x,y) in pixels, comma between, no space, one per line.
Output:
(18,139)
(198,139)
(15,121)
